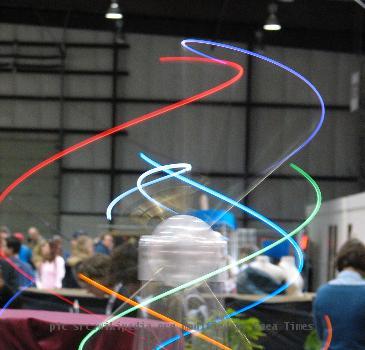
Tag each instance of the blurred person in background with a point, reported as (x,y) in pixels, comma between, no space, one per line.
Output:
(96,268)
(4,233)
(105,244)
(8,275)
(12,251)
(82,249)
(343,300)
(25,253)
(9,280)
(123,268)
(35,241)
(6,293)
(118,272)
(58,240)
(73,242)
(51,270)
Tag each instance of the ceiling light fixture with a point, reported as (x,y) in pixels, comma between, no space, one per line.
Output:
(114,11)
(272,22)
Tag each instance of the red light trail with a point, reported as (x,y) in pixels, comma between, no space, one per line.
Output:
(135,121)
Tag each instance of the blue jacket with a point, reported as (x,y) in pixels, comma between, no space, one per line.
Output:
(100,248)
(25,254)
(343,300)
(23,281)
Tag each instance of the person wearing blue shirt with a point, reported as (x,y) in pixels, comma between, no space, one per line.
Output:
(343,300)
(12,251)
(25,253)
(105,244)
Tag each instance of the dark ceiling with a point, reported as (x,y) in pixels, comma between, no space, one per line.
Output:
(322,24)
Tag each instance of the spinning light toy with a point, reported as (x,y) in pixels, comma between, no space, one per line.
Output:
(227,267)
(186,167)
(176,105)
(234,203)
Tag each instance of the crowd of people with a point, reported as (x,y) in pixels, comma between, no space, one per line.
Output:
(32,261)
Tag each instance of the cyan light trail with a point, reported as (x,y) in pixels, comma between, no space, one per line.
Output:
(116,200)
(225,268)
(186,167)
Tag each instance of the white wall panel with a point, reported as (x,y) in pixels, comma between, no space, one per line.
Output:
(329,72)
(149,78)
(210,138)
(87,115)
(289,198)
(279,198)
(89,36)
(94,156)
(7,112)
(37,114)
(7,31)
(88,86)
(37,51)
(32,114)
(36,33)
(37,85)
(89,59)
(90,224)
(7,85)
(35,200)
(85,192)
(334,151)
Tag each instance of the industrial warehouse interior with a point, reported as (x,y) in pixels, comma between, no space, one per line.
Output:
(182,175)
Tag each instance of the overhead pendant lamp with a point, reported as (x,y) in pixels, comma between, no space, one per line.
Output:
(272,22)
(114,11)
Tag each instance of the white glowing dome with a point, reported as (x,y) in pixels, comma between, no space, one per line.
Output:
(182,248)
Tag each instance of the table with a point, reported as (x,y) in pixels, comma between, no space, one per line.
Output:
(286,320)
(66,292)
(46,330)
(40,299)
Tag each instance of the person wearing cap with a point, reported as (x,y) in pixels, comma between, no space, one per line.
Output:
(25,253)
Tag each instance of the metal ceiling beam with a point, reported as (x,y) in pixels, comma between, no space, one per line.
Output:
(223,175)
(271,105)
